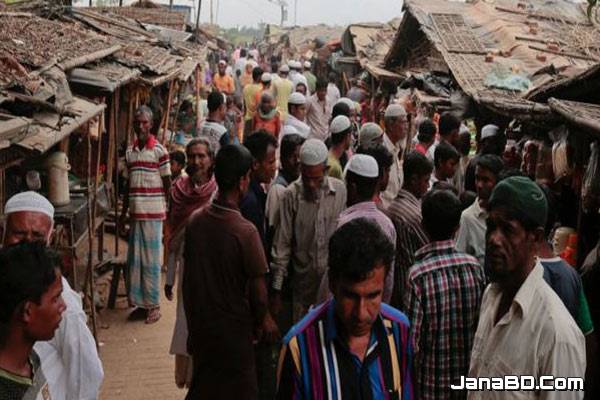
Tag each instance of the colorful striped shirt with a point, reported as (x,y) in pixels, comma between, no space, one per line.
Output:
(145,169)
(315,362)
(443,299)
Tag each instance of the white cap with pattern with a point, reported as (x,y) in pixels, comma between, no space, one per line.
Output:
(313,152)
(363,165)
(29,201)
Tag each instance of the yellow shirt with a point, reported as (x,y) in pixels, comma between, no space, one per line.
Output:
(335,168)
(282,89)
(250,92)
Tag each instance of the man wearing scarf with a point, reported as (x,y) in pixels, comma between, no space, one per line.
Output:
(267,117)
(188,194)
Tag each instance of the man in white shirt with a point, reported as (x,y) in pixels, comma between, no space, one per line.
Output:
(297,114)
(470,238)
(333,93)
(396,129)
(524,328)
(318,112)
(70,360)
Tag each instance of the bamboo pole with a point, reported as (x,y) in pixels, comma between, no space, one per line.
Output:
(564,53)
(115,151)
(168,111)
(90,225)
(198,85)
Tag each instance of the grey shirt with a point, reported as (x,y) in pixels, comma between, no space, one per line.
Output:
(302,237)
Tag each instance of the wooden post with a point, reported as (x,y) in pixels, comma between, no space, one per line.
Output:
(90,222)
(198,85)
(115,158)
(167,112)
(198,15)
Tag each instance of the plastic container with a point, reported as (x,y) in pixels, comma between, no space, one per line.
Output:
(58,179)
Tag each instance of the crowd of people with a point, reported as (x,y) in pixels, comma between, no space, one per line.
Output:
(318,249)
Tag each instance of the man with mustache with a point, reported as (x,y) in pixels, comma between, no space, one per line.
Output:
(70,359)
(353,346)
(524,328)
(308,216)
(31,306)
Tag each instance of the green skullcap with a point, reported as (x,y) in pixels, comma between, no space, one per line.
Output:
(522,196)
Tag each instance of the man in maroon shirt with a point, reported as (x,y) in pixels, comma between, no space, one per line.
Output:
(224,289)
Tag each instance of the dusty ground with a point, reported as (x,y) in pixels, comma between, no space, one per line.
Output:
(136,359)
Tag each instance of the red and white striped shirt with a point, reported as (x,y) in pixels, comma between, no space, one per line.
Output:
(145,169)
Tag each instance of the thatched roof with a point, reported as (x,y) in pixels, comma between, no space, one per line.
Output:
(452,37)
(299,41)
(579,85)
(29,43)
(583,115)
(160,15)
(369,43)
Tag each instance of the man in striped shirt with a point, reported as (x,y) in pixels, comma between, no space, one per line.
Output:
(405,212)
(148,182)
(353,346)
(444,293)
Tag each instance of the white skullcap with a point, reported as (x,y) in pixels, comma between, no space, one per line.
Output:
(348,102)
(291,130)
(463,129)
(297,99)
(29,201)
(266,77)
(291,63)
(394,111)
(284,68)
(307,64)
(340,124)
(296,65)
(222,62)
(369,133)
(488,131)
(363,165)
(313,152)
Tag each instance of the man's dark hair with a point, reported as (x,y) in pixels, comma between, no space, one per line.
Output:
(27,270)
(552,213)
(365,187)
(177,156)
(258,143)
(427,130)
(492,163)
(338,137)
(257,74)
(416,164)
(289,144)
(356,248)
(215,100)
(232,163)
(321,84)
(332,77)
(448,123)
(441,211)
(380,153)
(340,109)
(186,105)
(243,52)
(444,152)
(467,198)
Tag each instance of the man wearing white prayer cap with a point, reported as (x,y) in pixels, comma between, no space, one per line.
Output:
(362,177)
(341,138)
(370,134)
(282,89)
(396,130)
(308,216)
(70,360)
(310,77)
(297,114)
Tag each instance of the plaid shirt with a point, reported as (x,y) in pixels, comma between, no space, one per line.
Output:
(443,298)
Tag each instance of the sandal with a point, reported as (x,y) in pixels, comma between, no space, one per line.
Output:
(153,315)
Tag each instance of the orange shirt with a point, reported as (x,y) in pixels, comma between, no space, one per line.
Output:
(273,125)
(224,83)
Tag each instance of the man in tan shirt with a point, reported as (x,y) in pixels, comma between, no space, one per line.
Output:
(308,217)
(524,328)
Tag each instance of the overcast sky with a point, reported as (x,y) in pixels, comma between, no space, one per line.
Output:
(233,13)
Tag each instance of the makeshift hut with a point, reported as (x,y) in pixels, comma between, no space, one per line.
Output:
(481,58)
